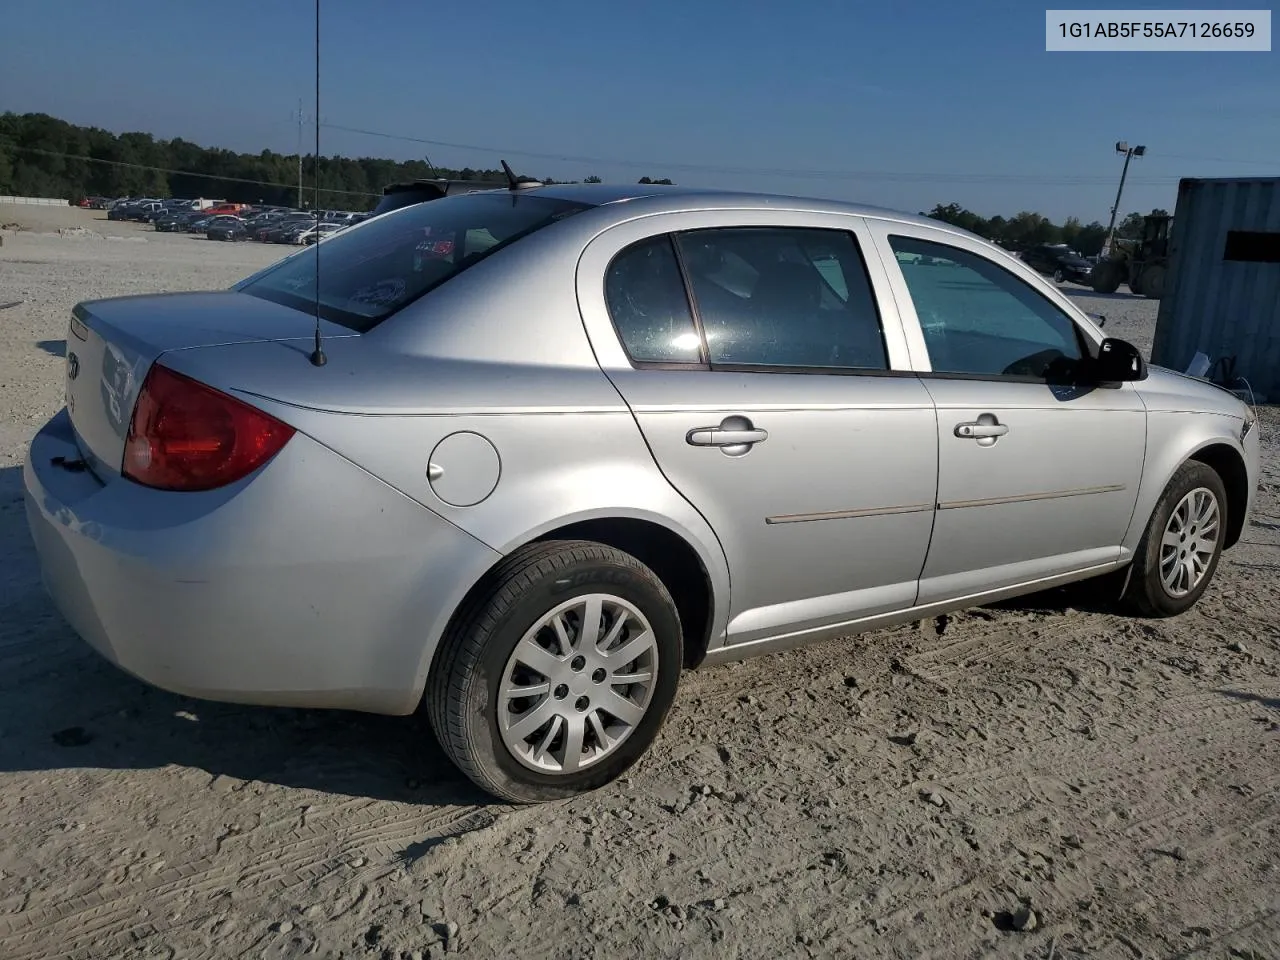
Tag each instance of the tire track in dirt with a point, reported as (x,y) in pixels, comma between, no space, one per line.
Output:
(106,917)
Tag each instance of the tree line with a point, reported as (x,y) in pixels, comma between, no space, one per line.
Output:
(42,156)
(1027,229)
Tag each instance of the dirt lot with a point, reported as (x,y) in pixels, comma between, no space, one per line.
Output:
(908,793)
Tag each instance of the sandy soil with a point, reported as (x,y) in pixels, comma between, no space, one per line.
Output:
(1110,785)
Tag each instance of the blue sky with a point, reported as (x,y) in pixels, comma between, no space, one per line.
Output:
(910,103)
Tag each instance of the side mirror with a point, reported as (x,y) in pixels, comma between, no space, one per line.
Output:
(1119,361)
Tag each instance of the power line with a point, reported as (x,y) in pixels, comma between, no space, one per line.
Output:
(178,173)
(800,174)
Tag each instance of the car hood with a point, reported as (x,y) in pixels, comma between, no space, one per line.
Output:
(1169,391)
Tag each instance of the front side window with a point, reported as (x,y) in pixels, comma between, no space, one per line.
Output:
(980,320)
(783,297)
(369,274)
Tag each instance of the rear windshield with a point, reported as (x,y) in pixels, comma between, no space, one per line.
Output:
(367,274)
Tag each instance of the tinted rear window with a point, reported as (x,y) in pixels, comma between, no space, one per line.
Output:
(367,274)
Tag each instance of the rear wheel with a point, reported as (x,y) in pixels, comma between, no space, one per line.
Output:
(558,674)
(1179,551)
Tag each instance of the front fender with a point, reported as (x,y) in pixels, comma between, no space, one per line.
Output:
(1173,438)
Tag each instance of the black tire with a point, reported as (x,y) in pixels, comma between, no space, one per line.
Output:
(1105,277)
(1146,593)
(462,690)
(1153,282)
(1058,276)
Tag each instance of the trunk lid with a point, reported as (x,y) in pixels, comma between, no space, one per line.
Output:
(111,345)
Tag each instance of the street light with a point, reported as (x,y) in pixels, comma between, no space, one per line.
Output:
(1129,152)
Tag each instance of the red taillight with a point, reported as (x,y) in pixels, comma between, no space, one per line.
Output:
(187,436)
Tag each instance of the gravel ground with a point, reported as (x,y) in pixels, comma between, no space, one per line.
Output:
(1040,778)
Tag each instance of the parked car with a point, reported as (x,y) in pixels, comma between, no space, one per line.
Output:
(200,224)
(1059,261)
(321,231)
(122,210)
(397,195)
(142,212)
(226,228)
(293,233)
(283,231)
(173,221)
(557,443)
(223,209)
(156,213)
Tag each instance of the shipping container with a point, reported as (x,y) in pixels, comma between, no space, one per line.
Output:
(1222,291)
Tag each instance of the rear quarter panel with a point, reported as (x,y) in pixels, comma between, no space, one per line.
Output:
(576,455)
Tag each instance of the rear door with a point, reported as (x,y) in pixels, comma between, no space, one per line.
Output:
(777,400)
(1036,477)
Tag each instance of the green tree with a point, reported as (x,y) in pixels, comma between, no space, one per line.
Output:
(41,155)
(1130,228)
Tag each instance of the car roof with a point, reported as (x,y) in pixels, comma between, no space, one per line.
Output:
(673,197)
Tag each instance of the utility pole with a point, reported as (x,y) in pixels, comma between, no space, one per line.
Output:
(1129,153)
(300,154)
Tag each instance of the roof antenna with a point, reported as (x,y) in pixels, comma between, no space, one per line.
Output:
(518,183)
(513,183)
(432,167)
(318,359)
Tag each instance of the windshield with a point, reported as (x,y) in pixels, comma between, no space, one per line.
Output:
(368,274)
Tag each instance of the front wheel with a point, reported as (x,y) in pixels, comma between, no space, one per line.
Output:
(1179,551)
(1058,276)
(1105,277)
(558,674)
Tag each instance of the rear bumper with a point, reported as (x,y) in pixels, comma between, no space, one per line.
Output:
(308,584)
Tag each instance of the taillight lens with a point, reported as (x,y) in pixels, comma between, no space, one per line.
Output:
(188,436)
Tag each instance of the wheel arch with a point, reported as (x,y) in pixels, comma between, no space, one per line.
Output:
(672,558)
(1229,465)
(1215,452)
(694,573)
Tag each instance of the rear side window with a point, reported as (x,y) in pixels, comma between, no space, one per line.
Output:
(366,275)
(784,297)
(647,301)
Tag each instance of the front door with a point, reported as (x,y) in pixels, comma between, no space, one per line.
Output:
(1036,478)
(761,376)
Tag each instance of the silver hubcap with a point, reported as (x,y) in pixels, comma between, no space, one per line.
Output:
(1189,541)
(577,684)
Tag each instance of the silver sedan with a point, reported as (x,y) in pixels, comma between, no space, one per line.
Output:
(522,456)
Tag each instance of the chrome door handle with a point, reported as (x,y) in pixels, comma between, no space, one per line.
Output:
(715,437)
(985,429)
(978,430)
(734,436)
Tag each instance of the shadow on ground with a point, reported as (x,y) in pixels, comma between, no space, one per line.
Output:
(1271,703)
(57,348)
(1100,595)
(64,707)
